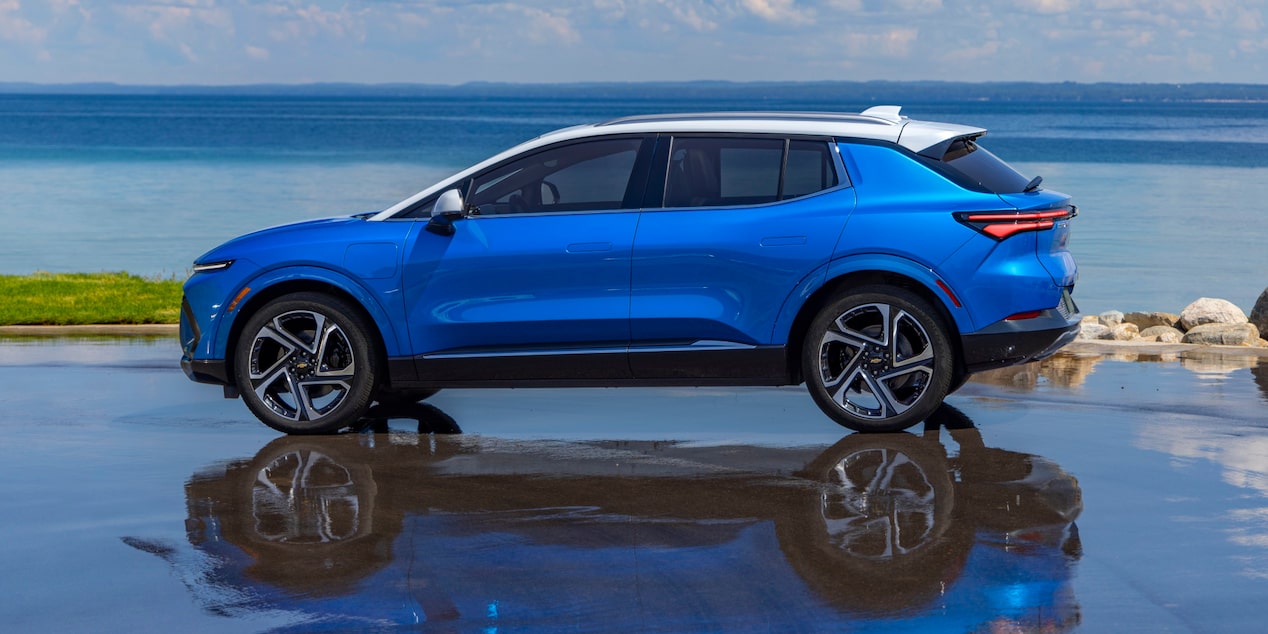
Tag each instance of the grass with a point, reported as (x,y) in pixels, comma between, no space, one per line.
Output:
(47,299)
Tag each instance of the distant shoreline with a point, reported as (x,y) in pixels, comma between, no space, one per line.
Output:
(866,91)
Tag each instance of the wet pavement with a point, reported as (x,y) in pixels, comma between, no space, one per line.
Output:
(1122,492)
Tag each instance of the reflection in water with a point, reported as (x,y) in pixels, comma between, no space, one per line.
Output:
(390,528)
(1071,369)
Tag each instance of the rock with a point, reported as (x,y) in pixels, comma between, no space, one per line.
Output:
(1259,314)
(1094,331)
(1162,334)
(1110,318)
(1223,335)
(1148,320)
(1124,332)
(1210,311)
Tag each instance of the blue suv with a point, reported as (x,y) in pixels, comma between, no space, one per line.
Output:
(879,259)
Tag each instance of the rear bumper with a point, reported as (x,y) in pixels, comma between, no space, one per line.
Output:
(1013,342)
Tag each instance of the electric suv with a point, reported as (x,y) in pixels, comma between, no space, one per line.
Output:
(879,259)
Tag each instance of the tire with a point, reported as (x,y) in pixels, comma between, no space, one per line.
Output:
(304,364)
(877,359)
(407,396)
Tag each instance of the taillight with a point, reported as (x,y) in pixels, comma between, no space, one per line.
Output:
(1002,224)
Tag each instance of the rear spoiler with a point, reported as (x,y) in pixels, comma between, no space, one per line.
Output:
(926,138)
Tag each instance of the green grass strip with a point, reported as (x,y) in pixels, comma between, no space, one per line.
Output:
(63,299)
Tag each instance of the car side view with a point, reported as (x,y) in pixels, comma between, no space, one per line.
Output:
(879,259)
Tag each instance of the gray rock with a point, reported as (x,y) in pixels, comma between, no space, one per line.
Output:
(1111,318)
(1162,334)
(1094,331)
(1259,314)
(1147,320)
(1210,311)
(1223,335)
(1124,332)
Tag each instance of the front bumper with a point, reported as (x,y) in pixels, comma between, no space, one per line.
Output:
(205,370)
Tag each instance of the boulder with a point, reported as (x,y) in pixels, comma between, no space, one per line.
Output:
(1210,311)
(1223,335)
(1094,331)
(1110,318)
(1162,334)
(1147,320)
(1124,332)
(1259,314)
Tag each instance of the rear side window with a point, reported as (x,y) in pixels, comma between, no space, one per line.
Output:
(732,171)
(971,162)
(810,169)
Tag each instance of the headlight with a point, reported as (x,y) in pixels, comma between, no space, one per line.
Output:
(212,266)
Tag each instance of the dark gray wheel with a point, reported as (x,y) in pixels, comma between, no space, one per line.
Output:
(304,364)
(877,359)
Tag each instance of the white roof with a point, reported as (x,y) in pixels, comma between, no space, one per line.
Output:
(880,123)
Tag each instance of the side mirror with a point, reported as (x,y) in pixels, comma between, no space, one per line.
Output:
(448,208)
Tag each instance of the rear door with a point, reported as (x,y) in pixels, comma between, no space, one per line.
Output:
(741,221)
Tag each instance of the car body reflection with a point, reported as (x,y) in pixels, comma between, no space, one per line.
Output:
(376,529)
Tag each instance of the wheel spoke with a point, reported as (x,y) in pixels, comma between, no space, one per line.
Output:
(282,331)
(842,324)
(886,403)
(846,373)
(272,335)
(328,333)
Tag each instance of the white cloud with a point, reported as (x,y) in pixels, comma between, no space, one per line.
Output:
(543,40)
(15,27)
(256,52)
(782,11)
(894,42)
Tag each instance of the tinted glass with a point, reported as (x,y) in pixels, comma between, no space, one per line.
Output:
(983,168)
(588,176)
(810,169)
(707,172)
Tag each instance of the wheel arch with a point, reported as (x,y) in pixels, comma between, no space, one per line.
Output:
(836,286)
(270,289)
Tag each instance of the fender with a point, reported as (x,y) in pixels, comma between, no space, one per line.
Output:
(369,298)
(868,262)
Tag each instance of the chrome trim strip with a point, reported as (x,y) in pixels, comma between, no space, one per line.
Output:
(696,346)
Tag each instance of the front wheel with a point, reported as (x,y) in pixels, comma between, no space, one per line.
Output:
(877,359)
(305,365)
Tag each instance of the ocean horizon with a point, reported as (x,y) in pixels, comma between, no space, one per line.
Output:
(1167,187)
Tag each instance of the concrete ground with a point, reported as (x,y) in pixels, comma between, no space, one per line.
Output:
(1106,489)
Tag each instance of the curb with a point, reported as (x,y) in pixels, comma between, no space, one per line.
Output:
(119,330)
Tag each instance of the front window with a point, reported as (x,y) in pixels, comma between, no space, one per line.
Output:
(586,176)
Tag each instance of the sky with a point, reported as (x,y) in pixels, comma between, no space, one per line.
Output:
(452,42)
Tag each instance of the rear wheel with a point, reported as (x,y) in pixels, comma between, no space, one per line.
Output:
(305,365)
(877,359)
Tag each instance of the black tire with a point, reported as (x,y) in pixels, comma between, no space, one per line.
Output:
(406,396)
(877,359)
(304,364)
